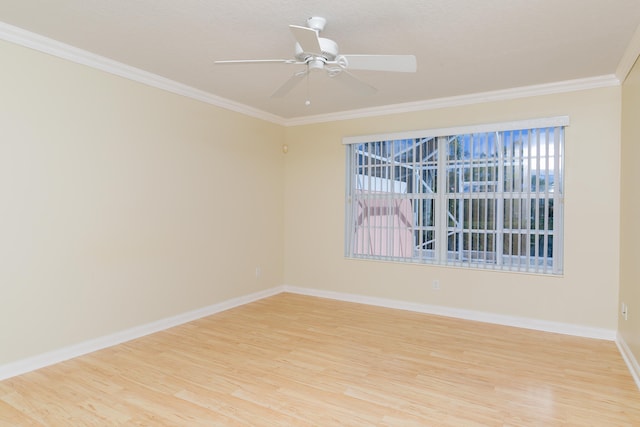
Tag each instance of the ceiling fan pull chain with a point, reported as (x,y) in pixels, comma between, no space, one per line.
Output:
(307,102)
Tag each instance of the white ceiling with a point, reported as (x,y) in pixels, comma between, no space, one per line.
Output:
(462,46)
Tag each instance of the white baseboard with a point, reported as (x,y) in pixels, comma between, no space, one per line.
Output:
(66,353)
(519,322)
(46,359)
(629,359)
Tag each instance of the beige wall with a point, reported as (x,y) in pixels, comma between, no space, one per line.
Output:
(122,204)
(586,295)
(630,212)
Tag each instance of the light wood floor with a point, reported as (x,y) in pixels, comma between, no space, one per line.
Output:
(293,360)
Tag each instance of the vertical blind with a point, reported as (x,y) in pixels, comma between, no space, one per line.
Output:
(478,197)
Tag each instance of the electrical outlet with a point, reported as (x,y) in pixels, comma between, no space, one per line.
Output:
(624,311)
(258,272)
(435,285)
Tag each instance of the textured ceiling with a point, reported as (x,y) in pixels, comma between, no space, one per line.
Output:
(462,46)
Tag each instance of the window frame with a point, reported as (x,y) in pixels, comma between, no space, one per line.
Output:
(440,231)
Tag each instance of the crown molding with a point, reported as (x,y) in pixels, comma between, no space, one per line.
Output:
(630,56)
(49,46)
(456,101)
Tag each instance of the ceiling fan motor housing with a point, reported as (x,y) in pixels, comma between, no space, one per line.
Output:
(329,51)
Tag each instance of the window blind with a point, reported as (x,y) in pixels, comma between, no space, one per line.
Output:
(480,199)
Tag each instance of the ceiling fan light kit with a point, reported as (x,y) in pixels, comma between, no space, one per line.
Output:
(319,53)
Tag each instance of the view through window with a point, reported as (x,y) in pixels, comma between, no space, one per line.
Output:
(482,199)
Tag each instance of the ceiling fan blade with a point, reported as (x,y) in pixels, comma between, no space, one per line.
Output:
(257,61)
(307,38)
(353,82)
(289,84)
(401,63)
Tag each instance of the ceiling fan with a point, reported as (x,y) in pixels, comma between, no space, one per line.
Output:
(318,53)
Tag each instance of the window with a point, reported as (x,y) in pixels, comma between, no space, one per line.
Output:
(483,197)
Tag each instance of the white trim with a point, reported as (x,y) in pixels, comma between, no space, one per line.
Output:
(52,47)
(56,356)
(630,56)
(629,359)
(609,80)
(461,130)
(478,316)
(61,50)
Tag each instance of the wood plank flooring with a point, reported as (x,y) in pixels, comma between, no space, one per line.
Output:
(292,360)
